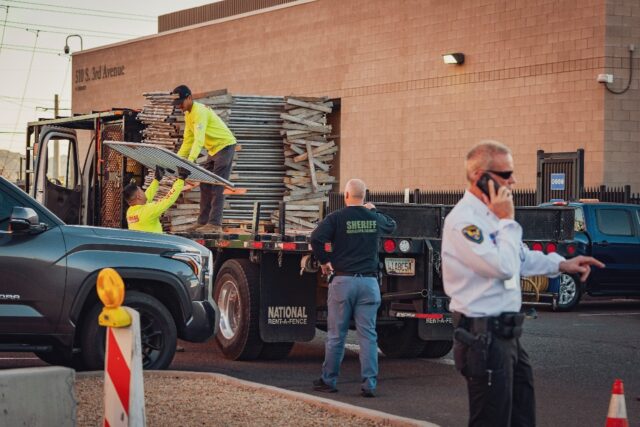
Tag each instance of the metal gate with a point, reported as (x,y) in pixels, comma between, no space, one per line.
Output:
(560,176)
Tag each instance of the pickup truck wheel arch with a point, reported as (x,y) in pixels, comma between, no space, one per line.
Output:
(86,296)
(237,293)
(157,328)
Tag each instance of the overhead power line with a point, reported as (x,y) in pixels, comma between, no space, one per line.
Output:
(76,8)
(67,29)
(67,12)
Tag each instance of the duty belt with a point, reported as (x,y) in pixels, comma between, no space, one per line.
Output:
(343,273)
(506,325)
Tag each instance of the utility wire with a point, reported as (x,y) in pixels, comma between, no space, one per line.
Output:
(24,92)
(76,8)
(4,26)
(65,12)
(67,29)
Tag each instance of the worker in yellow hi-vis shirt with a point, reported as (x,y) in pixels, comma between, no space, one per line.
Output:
(144,214)
(203,128)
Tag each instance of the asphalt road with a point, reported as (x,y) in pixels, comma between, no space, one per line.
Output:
(576,357)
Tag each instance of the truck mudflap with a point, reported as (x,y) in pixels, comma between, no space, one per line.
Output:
(431,326)
(287,300)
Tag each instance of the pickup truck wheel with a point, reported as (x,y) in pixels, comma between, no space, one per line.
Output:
(569,293)
(275,350)
(157,329)
(401,342)
(436,349)
(236,292)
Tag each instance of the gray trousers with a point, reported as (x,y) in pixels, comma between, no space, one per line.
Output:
(212,196)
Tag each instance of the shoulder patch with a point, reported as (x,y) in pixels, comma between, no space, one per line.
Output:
(473,233)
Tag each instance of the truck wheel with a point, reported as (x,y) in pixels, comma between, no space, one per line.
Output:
(401,342)
(436,349)
(569,294)
(236,292)
(157,329)
(275,350)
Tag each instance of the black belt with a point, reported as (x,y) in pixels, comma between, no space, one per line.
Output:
(344,273)
(506,325)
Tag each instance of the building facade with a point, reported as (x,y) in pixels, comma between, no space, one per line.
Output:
(529,79)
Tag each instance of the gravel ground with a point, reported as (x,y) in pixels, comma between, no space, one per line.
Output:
(211,401)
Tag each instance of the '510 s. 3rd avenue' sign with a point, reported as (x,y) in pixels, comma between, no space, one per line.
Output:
(85,75)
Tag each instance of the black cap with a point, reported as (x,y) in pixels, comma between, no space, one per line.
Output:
(183,92)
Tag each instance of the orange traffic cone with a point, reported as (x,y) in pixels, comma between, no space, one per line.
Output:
(617,416)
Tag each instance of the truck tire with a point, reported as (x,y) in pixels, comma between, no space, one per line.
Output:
(401,342)
(157,329)
(237,293)
(436,349)
(275,350)
(569,293)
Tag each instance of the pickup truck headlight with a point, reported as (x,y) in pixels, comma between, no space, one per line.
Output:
(192,259)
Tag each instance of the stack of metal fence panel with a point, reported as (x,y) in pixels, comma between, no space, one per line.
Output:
(259,161)
(309,156)
(164,127)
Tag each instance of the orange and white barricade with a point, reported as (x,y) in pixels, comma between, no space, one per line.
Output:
(123,380)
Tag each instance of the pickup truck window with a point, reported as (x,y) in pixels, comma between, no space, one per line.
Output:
(61,170)
(615,222)
(579,225)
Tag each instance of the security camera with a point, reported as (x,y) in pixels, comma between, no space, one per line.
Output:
(66,49)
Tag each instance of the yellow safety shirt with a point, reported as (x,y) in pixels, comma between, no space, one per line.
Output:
(147,217)
(203,127)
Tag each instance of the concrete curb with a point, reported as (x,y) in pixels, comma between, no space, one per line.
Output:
(327,404)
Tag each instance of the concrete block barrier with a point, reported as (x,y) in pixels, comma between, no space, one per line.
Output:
(37,397)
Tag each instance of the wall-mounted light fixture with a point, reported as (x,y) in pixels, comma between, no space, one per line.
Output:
(453,58)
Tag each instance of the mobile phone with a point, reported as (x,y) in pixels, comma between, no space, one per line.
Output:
(483,183)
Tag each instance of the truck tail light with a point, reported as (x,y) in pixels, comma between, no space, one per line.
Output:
(389,245)
(537,246)
(571,250)
(551,247)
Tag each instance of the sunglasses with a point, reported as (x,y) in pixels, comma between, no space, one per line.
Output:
(503,174)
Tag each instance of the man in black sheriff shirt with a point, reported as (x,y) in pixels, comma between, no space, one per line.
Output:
(354,233)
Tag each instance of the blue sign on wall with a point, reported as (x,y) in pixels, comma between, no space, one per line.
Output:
(557,181)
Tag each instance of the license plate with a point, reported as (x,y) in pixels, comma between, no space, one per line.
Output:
(400,266)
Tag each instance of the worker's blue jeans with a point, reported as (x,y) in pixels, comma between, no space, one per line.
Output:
(358,297)
(212,196)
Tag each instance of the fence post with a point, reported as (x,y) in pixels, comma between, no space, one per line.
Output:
(627,193)
(603,191)
(416,196)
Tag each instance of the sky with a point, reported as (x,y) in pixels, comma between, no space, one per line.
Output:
(33,66)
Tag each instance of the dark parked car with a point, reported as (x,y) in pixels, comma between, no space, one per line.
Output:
(48,302)
(609,232)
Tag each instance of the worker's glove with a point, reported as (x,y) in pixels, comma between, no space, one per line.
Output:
(159,172)
(183,173)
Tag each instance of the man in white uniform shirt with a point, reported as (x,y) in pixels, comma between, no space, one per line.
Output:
(482,259)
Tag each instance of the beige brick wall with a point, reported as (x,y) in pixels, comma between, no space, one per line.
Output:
(407,119)
(622,111)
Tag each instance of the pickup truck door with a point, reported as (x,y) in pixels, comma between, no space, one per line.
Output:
(57,182)
(614,234)
(32,271)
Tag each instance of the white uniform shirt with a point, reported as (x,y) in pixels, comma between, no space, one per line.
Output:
(483,257)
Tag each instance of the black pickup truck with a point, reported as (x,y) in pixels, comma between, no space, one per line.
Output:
(48,302)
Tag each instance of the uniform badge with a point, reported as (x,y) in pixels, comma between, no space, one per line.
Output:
(473,233)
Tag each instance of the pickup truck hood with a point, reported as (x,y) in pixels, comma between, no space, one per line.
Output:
(76,235)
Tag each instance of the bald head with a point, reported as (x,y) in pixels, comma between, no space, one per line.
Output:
(482,155)
(354,192)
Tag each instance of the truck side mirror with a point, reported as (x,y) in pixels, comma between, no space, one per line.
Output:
(24,219)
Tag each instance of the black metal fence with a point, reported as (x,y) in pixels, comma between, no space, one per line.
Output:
(520,197)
